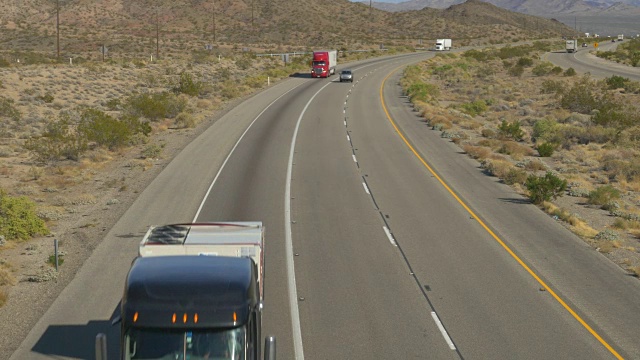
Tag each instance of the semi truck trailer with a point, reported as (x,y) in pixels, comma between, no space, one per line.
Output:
(324,63)
(443,44)
(195,291)
(571,46)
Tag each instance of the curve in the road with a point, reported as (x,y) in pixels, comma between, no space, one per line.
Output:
(491,233)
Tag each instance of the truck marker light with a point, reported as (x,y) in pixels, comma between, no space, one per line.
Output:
(195,318)
(184,318)
(173,318)
(135,317)
(235,317)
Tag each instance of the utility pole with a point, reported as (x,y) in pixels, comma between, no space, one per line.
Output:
(58,28)
(213,18)
(157,36)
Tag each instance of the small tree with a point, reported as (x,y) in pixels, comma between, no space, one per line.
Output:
(603,195)
(545,188)
(511,130)
(546,149)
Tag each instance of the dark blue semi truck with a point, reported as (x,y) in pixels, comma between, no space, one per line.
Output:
(186,307)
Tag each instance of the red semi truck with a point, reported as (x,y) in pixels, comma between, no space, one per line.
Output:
(324,63)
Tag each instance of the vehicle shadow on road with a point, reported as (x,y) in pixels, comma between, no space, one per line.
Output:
(78,341)
(301,75)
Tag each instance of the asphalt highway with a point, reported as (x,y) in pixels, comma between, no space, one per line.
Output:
(584,61)
(383,240)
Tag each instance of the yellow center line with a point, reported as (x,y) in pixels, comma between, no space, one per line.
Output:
(502,243)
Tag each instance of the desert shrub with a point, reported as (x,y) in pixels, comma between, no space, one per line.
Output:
(477,152)
(113,104)
(480,56)
(110,132)
(58,140)
(603,195)
(557,70)
(542,69)
(496,167)
(579,134)
(47,98)
(513,149)
(7,109)
(229,90)
(616,82)
(256,81)
(185,120)
(581,97)
(186,85)
(546,149)
(516,71)
(545,188)
(155,106)
(508,52)
(4,63)
(52,259)
(420,91)
(488,133)
(18,219)
(474,108)
(610,113)
(628,169)
(629,137)
(570,72)
(515,176)
(525,62)
(552,87)
(511,130)
(545,129)
(152,151)
(243,63)
(535,165)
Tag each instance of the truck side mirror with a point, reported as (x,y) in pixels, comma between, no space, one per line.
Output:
(101,346)
(270,348)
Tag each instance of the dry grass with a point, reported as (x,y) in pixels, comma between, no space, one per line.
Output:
(477,152)
(498,167)
(6,278)
(606,246)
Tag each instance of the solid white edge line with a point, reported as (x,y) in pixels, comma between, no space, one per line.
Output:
(442,330)
(234,148)
(366,189)
(195,218)
(389,236)
(291,277)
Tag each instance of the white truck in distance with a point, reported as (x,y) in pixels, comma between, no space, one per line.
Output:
(571,46)
(620,37)
(443,44)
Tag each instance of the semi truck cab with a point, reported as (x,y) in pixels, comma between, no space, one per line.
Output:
(191,308)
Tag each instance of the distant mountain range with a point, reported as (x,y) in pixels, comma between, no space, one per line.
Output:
(531,7)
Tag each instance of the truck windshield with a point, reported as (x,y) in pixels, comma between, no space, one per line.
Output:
(162,344)
(319,63)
